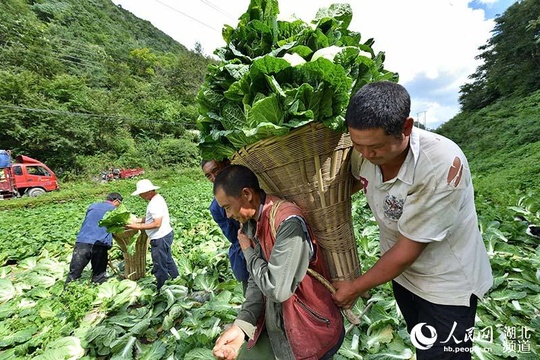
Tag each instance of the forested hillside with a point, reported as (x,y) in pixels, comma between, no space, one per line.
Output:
(86,84)
(511,59)
(499,125)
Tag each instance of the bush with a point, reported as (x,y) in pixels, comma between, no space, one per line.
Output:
(147,153)
(178,152)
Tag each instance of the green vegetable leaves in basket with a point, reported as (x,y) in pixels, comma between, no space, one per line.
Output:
(116,220)
(274,76)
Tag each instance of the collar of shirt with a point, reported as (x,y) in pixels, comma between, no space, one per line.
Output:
(261,206)
(404,174)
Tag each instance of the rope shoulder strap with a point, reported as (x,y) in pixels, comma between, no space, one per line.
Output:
(272,219)
(273,227)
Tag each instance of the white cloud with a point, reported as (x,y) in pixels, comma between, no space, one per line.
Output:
(424,40)
(487,2)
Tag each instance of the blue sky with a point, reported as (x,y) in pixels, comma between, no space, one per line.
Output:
(491,8)
(432,44)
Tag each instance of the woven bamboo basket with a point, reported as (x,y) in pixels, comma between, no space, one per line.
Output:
(135,263)
(311,167)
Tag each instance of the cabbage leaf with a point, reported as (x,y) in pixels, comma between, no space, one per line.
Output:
(116,220)
(273,76)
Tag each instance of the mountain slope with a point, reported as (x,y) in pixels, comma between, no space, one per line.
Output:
(86,79)
(502,143)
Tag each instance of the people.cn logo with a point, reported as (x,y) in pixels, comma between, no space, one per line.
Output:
(419,340)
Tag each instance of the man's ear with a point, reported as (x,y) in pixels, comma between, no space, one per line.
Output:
(408,126)
(247,193)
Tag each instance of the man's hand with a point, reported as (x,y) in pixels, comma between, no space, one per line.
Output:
(243,239)
(345,295)
(135,225)
(396,260)
(229,343)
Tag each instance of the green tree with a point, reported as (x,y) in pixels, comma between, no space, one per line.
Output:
(87,80)
(511,59)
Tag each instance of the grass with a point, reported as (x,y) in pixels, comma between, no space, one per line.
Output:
(92,190)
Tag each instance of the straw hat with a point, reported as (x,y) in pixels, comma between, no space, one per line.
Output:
(144,186)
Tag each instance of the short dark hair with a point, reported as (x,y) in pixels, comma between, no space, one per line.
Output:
(382,104)
(224,162)
(234,178)
(115,196)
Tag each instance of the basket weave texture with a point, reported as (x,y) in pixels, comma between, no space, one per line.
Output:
(310,166)
(135,263)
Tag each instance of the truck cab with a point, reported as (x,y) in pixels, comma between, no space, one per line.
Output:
(26,176)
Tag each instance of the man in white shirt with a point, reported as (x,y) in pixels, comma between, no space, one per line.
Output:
(158,228)
(419,188)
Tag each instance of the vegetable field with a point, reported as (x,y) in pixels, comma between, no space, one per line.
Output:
(124,319)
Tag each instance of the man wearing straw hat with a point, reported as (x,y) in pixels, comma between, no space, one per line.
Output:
(158,228)
(419,188)
(287,313)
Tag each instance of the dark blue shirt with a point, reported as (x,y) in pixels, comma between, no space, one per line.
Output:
(90,231)
(230,227)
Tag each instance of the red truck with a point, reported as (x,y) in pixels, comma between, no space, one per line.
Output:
(115,174)
(26,176)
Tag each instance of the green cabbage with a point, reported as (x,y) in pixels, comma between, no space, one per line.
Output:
(274,76)
(116,220)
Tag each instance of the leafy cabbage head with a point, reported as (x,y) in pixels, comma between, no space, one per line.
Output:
(275,75)
(116,220)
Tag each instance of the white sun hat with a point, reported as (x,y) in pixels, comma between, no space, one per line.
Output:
(143,186)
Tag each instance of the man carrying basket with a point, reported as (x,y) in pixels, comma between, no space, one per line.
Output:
(287,313)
